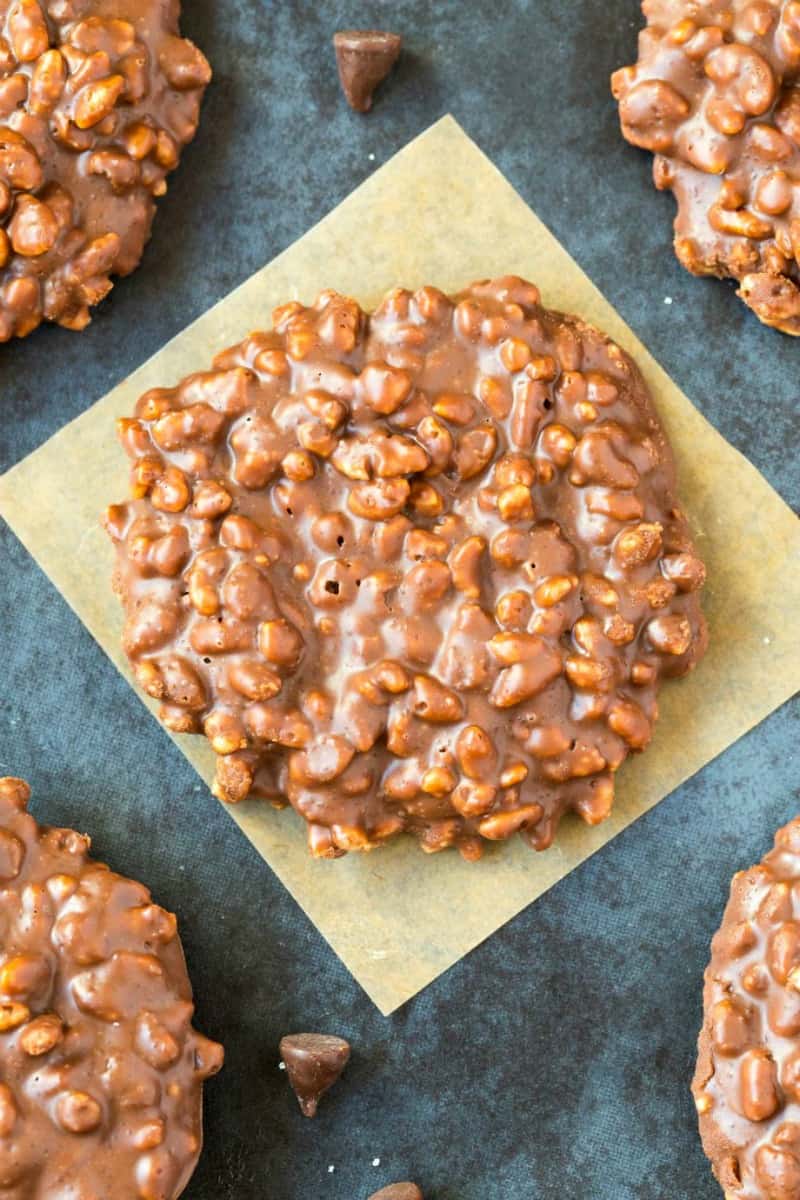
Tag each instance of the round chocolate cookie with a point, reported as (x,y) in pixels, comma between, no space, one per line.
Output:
(747,1082)
(100,1069)
(716,96)
(97,99)
(420,570)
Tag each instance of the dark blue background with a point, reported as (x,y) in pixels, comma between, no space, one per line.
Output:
(553,1063)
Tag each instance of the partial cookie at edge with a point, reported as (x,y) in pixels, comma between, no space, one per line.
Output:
(97,100)
(715,95)
(747,1081)
(101,1069)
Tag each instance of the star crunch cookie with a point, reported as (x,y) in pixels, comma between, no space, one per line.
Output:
(420,570)
(747,1082)
(101,1072)
(715,94)
(97,100)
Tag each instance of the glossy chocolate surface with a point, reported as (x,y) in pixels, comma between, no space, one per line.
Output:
(747,1083)
(101,1072)
(715,95)
(97,100)
(421,570)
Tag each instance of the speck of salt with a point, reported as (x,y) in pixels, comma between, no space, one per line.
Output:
(281,1066)
(371,157)
(668,299)
(331,1169)
(376,1162)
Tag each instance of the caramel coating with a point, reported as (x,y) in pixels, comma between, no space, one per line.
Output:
(747,1082)
(420,570)
(97,99)
(715,95)
(101,1069)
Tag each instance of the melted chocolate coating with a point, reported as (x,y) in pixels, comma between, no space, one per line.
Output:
(364,58)
(747,1082)
(97,99)
(715,95)
(420,570)
(101,1070)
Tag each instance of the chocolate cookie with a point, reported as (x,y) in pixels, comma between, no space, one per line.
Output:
(715,95)
(97,99)
(101,1071)
(420,570)
(747,1082)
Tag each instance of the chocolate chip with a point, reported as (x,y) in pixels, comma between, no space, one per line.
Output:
(450,555)
(364,58)
(314,1061)
(398,1191)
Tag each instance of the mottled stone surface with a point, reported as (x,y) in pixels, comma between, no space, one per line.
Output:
(555,1060)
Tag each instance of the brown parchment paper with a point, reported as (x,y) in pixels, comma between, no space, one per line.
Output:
(440,213)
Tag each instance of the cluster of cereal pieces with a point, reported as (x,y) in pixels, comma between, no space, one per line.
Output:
(94,111)
(100,1069)
(420,570)
(747,1083)
(715,95)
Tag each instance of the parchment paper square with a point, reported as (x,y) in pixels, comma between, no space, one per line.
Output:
(439,212)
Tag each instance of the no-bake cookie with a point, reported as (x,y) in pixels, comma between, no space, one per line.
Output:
(97,100)
(418,570)
(747,1083)
(101,1072)
(715,95)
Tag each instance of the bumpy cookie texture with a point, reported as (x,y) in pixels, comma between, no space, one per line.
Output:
(420,570)
(716,96)
(97,99)
(101,1071)
(747,1082)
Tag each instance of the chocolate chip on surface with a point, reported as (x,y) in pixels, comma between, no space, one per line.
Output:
(313,1061)
(715,95)
(364,58)
(97,100)
(398,1191)
(102,1070)
(420,570)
